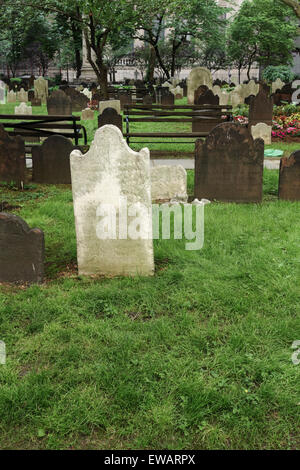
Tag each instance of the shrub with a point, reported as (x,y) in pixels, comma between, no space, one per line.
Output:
(272,72)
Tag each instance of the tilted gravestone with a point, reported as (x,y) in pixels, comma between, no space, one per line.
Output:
(41,89)
(59,103)
(51,161)
(289,177)
(12,158)
(261,108)
(107,181)
(21,251)
(198,76)
(229,165)
(79,100)
(110,116)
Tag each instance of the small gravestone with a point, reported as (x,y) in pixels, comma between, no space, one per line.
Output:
(198,76)
(23,109)
(169,183)
(112,206)
(262,131)
(87,114)
(207,97)
(30,95)
(22,96)
(2,92)
(166,97)
(51,161)
(229,165)
(59,103)
(79,100)
(125,98)
(289,177)
(201,90)
(261,108)
(110,116)
(12,158)
(147,99)
(21,251)
(36,102)
(277,85)
(41,89)
(11,97)
(115,104)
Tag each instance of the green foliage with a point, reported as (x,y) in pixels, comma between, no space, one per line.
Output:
(272,72)
(286,110)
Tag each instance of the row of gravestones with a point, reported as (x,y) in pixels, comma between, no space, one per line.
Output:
(228,167)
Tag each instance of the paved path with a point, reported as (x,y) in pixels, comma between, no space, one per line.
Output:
(189,164)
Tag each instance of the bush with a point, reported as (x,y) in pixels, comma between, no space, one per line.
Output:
(285,110)
(272,72)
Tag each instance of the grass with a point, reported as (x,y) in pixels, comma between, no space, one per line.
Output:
(199,356)
(92,125)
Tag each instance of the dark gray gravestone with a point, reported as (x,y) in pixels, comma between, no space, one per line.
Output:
(36,102)
(110,116)
(289,177)
(201,90)
(261,108)
(125,98)
(21,251)
(30,95)
(206,98)
(12,158)
(51,161)
(59,103)
(79,100)
(229,165)
(166,97)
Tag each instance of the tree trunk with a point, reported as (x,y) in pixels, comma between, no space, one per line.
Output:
(165,71)
(151,65)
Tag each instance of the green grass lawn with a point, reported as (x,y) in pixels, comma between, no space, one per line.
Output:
(199,356)
(91,127)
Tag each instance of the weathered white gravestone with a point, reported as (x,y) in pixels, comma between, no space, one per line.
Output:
(2,92)
(11,97)
(41,89)
(114,104)
(277,85)
(22,95)
(87,114)
(169,183)
(198,76)
(112,206)
(262,131)
(23,109)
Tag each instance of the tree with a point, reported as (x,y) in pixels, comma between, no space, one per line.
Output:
(261,33)
(295,5)
(172,25)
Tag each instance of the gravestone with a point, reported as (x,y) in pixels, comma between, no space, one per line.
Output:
(147,99)
(289,177)
(110,116)
(11,97)
(166,97)
(261,109)
(2,92)
(206,98)
(87,114)
(229,165)
(169,183)
(23,109)
(22,96)
(51,161)
(115,104)
(124,98)
(87,93)
(104,180)
(262,131)
(41,89)
(198,76)
(36,102)
(79,100)
(12,158)
(277,85)
(30,95)
(59,103)
(21,251)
